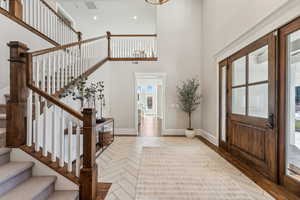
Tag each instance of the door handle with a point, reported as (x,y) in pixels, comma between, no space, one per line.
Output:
(270,123)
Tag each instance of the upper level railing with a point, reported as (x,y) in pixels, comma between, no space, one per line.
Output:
(42,19)
(133,47)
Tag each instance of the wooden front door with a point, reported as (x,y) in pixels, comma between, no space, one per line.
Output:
(252,129)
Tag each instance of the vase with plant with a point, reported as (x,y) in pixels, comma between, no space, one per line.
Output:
(189,101)
(87,94)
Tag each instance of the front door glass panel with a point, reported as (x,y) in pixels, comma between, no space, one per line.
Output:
(223,104)
(293,106)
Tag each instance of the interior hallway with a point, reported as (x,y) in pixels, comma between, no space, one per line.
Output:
(124,164)
(150,126)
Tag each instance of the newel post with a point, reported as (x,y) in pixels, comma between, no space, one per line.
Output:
(89,171)
(108,45)
(17,104)
(79,34)
(16,8)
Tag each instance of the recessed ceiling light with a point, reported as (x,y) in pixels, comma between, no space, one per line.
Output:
(95,17)
(135,17)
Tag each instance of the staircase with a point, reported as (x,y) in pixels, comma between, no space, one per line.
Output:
(2,125)
(40,121)
(17,182)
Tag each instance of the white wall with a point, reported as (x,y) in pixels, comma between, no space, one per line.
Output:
(179,58)
(228,26)
(11,31)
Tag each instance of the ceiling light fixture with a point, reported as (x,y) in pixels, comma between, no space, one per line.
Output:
(157,2)
(135,17)
(95,17)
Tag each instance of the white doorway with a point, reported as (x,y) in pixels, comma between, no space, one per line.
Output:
(149,103)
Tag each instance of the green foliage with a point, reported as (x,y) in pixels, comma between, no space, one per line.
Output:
(188,96)
(80,91)
(189,99)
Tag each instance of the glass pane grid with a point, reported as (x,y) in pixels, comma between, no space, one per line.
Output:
(250,83)
(239,71)
(258,100)
(258,65)
(239,101)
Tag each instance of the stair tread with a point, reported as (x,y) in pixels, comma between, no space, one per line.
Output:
(4,151)
(3,116)
(30,188)
(2,130)
(64,195)
(12,169)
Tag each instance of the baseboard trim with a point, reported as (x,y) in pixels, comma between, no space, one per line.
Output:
(173,132)
(208,136)
(126,131)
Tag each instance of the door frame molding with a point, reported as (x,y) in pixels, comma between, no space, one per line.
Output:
(151,76)
(290,183)
(223,64)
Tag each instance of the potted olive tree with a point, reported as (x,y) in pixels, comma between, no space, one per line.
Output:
(189,100)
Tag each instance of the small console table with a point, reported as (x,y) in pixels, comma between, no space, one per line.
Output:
(105,134)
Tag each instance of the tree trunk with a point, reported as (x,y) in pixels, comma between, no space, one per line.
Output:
(190,120)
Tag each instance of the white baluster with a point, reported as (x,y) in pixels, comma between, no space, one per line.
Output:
(43,85)
(54,78)
(24,10)
(45,128)
(54,129)
(83,57)
(76,62)
(78,159)
(49,77)
(33,10)
(71,63)
(67,65)
(37,122)
(29,119)
(70,133)
(37,108)
(117,48)
(63,69)
(62,139)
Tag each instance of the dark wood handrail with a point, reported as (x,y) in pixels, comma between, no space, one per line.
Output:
(107,121)
(49,50)
(133,35)
(61,18)
(56,101)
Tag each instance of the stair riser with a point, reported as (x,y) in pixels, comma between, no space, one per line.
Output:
(45,194)
(2,110)
(13,182)
(2,123)
(4,159)
(2,140)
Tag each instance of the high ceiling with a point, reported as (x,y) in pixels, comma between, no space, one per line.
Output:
(122,16)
